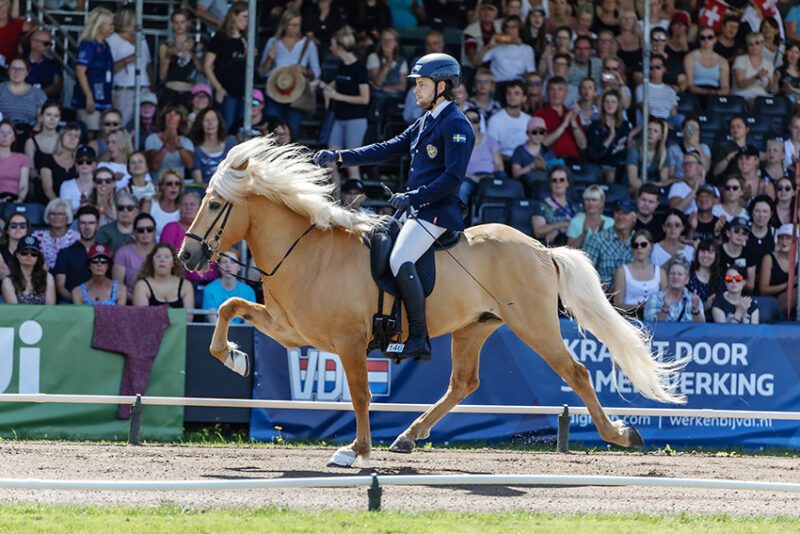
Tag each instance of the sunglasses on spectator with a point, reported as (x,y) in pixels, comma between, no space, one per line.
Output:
(146,229)
(558,180)
(708,37)
(172,184)
(656,67)
(535,83)
(784,188)
(537,132)
(732,188)
(125,207)
(737,278)
(659,39)
(104,181)
(111,123)
(99,260)
(673,225)
(29,252)
(640,244)
(741,231)
(17,225)
(84,162)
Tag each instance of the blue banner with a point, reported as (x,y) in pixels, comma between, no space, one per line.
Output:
(733,367)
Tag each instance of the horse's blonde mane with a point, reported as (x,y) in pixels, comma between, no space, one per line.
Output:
(286,175)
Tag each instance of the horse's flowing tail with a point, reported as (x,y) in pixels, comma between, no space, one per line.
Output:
(583,297)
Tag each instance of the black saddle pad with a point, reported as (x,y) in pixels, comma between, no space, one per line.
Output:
(381,242)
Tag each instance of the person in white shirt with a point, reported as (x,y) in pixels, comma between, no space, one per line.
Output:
(508,126)
(123,51)
(509,57)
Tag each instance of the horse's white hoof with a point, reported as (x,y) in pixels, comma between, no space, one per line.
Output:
(238,362)
(343,457)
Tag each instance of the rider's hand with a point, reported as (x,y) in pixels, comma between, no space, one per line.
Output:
(400,201)
(323,157)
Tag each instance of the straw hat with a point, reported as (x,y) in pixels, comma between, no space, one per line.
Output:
(285,84)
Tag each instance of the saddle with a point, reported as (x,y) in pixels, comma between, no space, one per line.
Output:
(387,328)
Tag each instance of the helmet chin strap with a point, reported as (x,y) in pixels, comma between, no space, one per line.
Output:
(436,95)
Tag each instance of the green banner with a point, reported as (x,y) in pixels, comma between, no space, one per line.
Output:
(48,349)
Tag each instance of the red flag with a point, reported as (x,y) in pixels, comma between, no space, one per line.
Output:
(768,8)
(713,13)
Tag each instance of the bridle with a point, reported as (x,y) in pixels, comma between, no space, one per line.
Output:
(210,247)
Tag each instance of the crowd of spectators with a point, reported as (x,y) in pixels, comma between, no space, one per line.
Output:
(554,90)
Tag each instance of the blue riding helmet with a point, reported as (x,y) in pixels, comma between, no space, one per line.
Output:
(437,67)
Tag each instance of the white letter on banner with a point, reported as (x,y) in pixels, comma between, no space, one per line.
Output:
(766,385)
(302,389)
(682,349)
(322,372)
(739,354)
(721,353)
(702,353)
(30,333)
(6,357)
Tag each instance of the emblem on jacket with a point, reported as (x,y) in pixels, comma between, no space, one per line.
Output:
(459,138)
(432,151)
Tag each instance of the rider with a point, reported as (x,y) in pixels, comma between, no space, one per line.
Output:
(440,143)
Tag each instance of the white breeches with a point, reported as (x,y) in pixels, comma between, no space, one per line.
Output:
(412,242)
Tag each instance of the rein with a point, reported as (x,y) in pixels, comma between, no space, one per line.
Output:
(211,247)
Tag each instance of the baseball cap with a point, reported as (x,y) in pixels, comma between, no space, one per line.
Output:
(85,152)
(353,184)
(680,17)
(148,98)
(625,204)
(98,250)
(258,94)
(539,9)
(29,242)
(785,229)
(201,88)
(537,123)
(749,150)
(710,189)
(739,222)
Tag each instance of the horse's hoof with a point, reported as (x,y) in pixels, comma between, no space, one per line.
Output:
(238,362)
(343,457)
(635,440)
(402,445)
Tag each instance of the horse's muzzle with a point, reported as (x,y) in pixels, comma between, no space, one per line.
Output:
(194,256)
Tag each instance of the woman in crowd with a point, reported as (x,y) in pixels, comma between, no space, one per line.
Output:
(100,289)
(29,282)
(773,49)
(789,73)
(560,15)
(141,184)
(690,142)
(169,147)
(175,232)
(349,94)
(485,159)
(43,142)
(119,232)
(177,61)
(606,16)
(732,204)
(224,63)
(675,303)
(95,68)
(630,45)
(289,48)
(761,240)
(529,161)
(160,282)
(15,228)
(226,286)
(673,246)
(211,145)
(607,136)
(120,147)
(552,216)
(636,281)
(58,235)
(323,18)
(732,306)
(129,259)
(20,101)
(102,195)
(15,167)
(509,56)
(586,105)
(591,220)
(78,190)
(60,166)
(533,33)
(773,279)
(387,69)
(110,121)
(725,154)
(784,200)
(704,277)
(772,168)
(707,73)
(658,162)
(165,207)
(752,74)
(562,44)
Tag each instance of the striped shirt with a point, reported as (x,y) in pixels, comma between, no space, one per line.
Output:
(607,253)
(21,108)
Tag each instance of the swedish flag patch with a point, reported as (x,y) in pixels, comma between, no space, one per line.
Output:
(459,138)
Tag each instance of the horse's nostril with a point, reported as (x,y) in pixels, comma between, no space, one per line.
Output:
(186,255)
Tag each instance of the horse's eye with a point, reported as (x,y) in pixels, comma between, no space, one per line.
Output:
(214,205)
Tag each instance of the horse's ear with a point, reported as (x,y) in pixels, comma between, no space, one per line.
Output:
(243,166)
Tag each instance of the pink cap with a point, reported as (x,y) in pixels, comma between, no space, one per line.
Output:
(201,88)
(258,94)
(537,123)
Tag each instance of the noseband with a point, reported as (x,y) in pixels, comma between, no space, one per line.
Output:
(211,247)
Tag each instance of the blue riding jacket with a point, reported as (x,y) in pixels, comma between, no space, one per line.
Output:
(439,157)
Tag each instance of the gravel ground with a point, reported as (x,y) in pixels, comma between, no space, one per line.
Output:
(89,461)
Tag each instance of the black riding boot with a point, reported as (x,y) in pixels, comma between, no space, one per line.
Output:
(418,345)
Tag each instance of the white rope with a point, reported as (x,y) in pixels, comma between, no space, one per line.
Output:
(398,480)
(390,407)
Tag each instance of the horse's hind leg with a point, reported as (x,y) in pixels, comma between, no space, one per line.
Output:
(222,349)
(544,338)
(467,344)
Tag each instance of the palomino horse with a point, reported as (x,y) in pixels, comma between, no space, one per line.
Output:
(323,295)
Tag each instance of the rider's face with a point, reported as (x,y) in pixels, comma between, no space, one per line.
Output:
(423,91)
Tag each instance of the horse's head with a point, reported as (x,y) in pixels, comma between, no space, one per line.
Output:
(219,224)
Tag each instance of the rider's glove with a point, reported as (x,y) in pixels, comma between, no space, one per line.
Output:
(323,157)
(400,201)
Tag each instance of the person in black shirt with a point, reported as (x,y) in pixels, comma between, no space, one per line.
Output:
(761,240)
(707,224)
(647,199)
(727,45)
(733,253)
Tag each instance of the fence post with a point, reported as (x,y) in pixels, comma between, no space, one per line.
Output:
(374,493)
(562,441)
(135,431)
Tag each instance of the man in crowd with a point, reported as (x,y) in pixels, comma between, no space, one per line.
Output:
(71,268)
(508,126)
(733,251)
(610,248)
(647,198)
(565,135)
(583,64)
(45,72)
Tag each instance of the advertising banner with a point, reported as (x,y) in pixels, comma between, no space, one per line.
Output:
(48,349)
(733,367)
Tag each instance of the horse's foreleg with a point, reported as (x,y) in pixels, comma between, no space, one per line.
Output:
(355,367)
(467,344)
(226,351)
